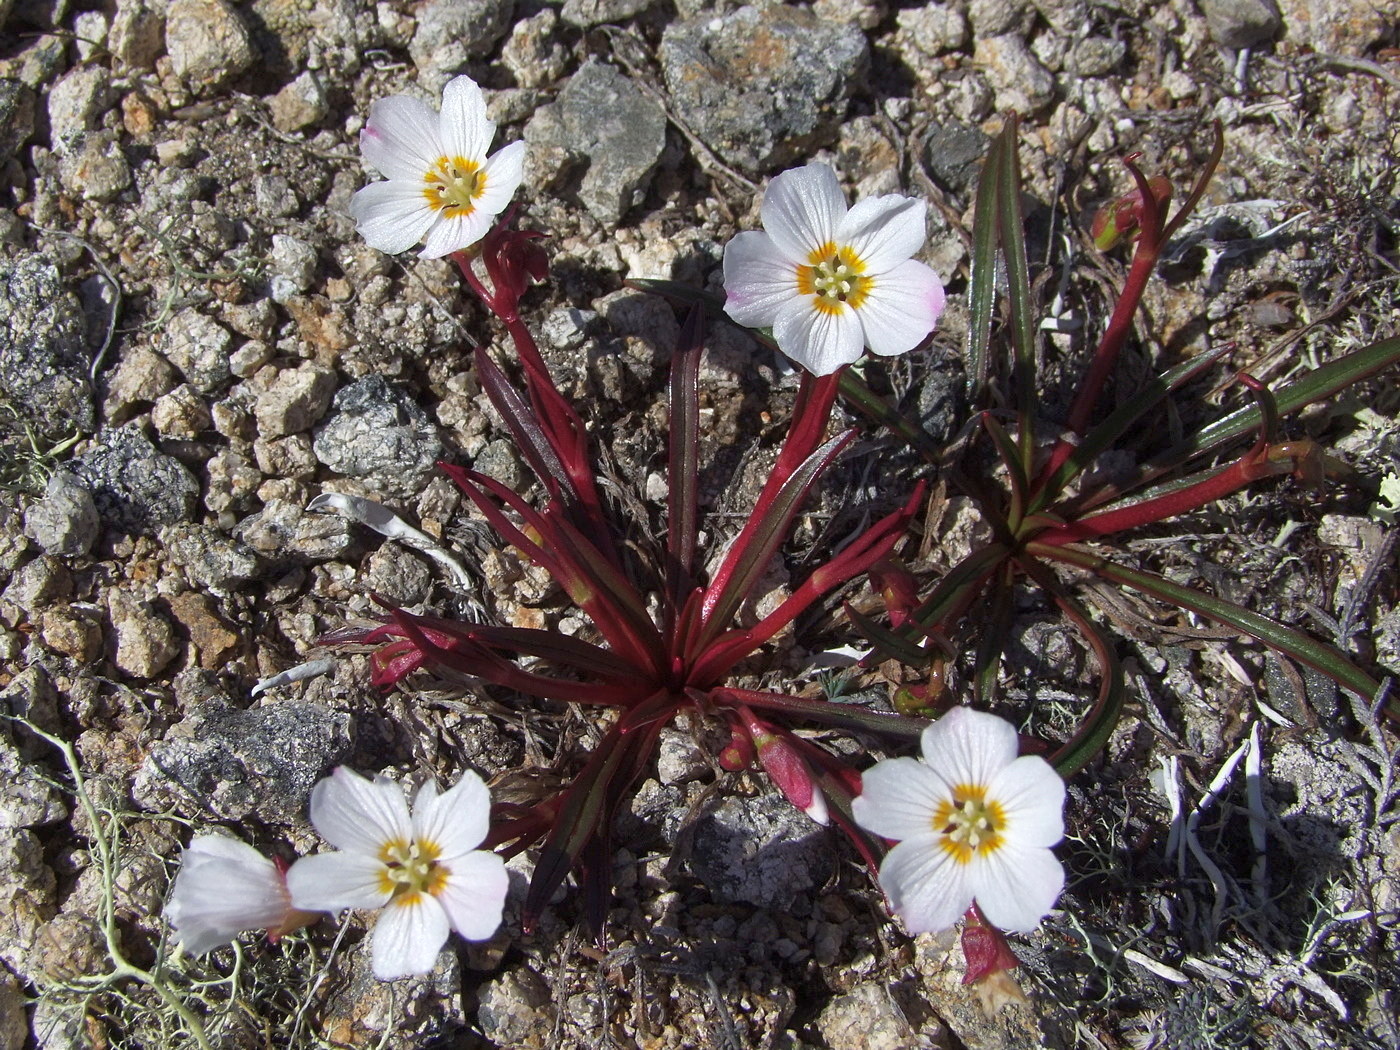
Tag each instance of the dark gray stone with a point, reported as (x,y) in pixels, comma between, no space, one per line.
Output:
(765,86)
(16,116)
(44,356)
(65,521)
(233,764)
(212,561)
(450,32)
(604,120)
(136,488)
(1241,23)
(953,154)
(378,434)
(588,13)
(761,851)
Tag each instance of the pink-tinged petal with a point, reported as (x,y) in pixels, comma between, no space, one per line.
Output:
(455,233)
(1032,799)
(223,888)
(455,821)
(463,127)
(1016,888)
(503,173)
(898,799)
(802,209)
(884,231)
(332,881)
(969,747)
(475,894)
(391,216)
(901,308)
(408,937)
(758,280)
(820,342)
(400,139)
(927,888)
(359,815)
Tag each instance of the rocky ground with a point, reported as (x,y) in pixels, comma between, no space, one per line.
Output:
(194,344)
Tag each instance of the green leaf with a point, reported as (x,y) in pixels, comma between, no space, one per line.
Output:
(982,288)
(1011,233)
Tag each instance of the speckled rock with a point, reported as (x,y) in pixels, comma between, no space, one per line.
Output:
(588,13)
(300,103)
(606,122)
(94,166)
(1338,27)
(27,797)
(208,42)
(137,36)
(764,86)
(141,642)
(136,488)
(14,1025)
(27,891)
(953,153)
(16,116)
(866,1018)
(292,399)
(1021,83)
(516,1009)
(65,521)
(199,347)
(212,560)
(231,764)
(451,32)
(1241,23)
(760,851)
(76,103)
(377,433)
(284,533)
(45,362)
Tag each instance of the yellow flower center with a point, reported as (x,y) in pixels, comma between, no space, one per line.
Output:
(969,824)
(454,185)
(836,277)
(411,868)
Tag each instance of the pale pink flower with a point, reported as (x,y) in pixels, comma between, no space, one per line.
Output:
(423,869)
(442,189)
(224,888)
(973,823)
(831,281)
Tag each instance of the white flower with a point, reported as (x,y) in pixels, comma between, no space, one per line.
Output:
(224,888)
(829,281)
(424,870)
(442,189)
(973,821)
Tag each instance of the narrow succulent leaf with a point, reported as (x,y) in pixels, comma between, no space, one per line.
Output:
(982,288)
(1317,385)
(1093,734)
(823,711)
(683,474)
(747,558)
(554,648)
(525,428)
(1287,640)
(1010,456)
(960,585)
(857,394)
(890,645)
(986,662)
(1103,436)
(1011,233)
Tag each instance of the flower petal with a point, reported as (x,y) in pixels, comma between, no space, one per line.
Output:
(408,937)
(391,216)
(1032,799)
(884,231)
(802,209)
(1016,888)
(901,308)
(223,888)
(360,815)
(820,342)
(503,173)
(455,821)
(969,747)
(475,894)
(899,797)
(758,279)
(463,126)
(927,888)
(400,139)
(452,234)
(332,881)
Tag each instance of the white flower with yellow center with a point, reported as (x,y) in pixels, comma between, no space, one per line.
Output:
(831,281)
(442,189)
(973,823)
(423,869)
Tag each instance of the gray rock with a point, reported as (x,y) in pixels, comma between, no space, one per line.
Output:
(300,103)
(38,582)
(275,197)
(199,347)
(233,764)
(27,893)
(141,376)
(451,32)
(181,414)
(16,116)
(378,434)
(283,531)
(27,799)
(935,28)
(93,166)
(293,400)
(44,355)
(137,489)
(761,851)
(30,696)
(65,521)
(516,1009)
(211,560)
(762,86)
(994,17)
(953,154)
(141,642)
(604,120)
(1241,23)
(678,759)
(137,36)
(14,1025)
(533,52)
(1096,56)
(1021,83)
(588,13)
(77,102)
(499,460)
(294,265)
(867,1017)
(207,41)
